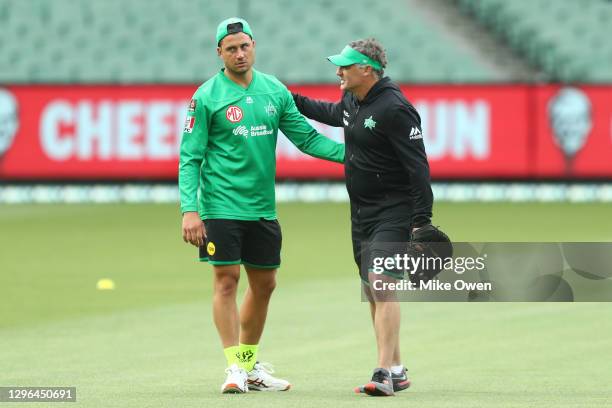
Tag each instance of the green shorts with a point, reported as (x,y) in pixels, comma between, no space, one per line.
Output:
(232,242)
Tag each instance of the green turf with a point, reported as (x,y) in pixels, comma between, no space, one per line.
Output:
(151,341)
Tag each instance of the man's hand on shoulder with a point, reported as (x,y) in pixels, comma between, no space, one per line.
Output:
(194,231)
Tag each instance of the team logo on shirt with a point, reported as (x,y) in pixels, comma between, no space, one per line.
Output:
(369,123)
(189,123)
(233,114)
(270,109)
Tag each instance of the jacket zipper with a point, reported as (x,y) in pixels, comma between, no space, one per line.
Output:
(355,117)
(351,160)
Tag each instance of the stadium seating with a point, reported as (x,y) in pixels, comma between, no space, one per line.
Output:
(569,40)
(120,41)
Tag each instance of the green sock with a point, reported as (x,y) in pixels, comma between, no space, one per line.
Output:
(231,355)
(248,356)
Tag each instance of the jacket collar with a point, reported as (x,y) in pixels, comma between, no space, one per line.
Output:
(378,88)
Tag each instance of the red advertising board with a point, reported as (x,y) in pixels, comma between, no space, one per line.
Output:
(474,131)
(471,132)
(96,132)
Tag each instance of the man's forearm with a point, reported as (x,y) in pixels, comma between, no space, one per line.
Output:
(321,111)
(324,148)
(189,181)
(423,201)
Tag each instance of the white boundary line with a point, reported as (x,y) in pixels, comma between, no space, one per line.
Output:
(309,192)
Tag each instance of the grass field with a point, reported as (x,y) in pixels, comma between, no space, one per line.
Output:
(151,341)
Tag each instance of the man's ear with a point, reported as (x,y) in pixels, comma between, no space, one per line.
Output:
(219,51)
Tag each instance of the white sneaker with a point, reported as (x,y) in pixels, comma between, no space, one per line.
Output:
(261,380)
(236,381)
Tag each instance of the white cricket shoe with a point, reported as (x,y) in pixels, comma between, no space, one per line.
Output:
(259,379)
(236,381)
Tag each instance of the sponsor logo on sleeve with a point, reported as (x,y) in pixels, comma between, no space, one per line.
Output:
(192,105)
(415,133)
(189,123)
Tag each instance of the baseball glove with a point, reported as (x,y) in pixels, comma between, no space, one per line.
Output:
(434,246)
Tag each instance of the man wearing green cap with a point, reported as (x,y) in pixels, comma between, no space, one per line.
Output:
(387,178)
(226,181)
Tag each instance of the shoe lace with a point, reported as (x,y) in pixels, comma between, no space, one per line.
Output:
(265,367)
(230,370)
(379,376)
(401,374)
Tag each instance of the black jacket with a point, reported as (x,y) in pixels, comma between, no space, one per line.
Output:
(386,169)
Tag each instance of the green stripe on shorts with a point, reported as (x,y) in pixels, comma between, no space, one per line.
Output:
(261,266)
(219,263)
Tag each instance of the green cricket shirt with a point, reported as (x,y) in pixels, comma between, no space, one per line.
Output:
(228,150)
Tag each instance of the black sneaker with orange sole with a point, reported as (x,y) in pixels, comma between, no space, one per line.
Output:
(381,384)
(400,382)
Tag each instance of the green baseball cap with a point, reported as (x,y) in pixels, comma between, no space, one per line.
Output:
(233,25)
(350,56)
